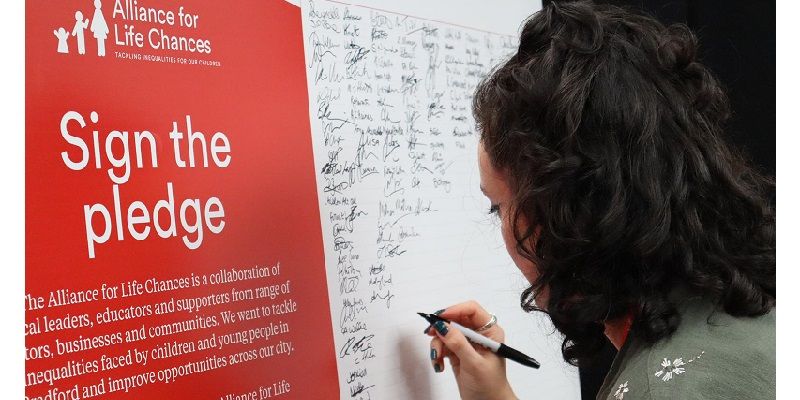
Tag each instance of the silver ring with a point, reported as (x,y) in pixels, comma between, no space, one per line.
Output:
(492,322)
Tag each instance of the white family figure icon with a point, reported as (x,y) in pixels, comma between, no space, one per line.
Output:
(62,36)
(99,30)
(77,31)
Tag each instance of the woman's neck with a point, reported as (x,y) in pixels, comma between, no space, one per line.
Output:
(617,330)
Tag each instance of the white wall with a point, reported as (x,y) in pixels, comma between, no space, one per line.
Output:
(500,16)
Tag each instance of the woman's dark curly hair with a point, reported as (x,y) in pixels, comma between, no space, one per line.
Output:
(610,132)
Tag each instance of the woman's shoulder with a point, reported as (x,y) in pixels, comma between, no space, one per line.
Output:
(712,355)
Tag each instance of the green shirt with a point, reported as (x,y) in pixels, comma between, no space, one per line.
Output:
(712,355)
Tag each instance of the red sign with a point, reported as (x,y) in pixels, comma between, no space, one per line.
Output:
(173,244)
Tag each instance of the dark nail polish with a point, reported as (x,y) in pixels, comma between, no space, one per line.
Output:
(437,368)
(429,327)
(441,328)
(433,354)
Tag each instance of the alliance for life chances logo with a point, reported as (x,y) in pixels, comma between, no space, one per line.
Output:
(130,37)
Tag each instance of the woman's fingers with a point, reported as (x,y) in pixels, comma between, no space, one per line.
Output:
(437,354)
(468,313)
(479,373)
(472,315)
(429,330)
(451,343)
(457,343)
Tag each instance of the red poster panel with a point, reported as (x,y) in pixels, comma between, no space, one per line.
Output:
(173,244)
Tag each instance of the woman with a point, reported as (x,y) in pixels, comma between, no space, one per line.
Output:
(99,28)
(602,154)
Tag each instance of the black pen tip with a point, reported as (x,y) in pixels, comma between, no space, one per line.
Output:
(428,317)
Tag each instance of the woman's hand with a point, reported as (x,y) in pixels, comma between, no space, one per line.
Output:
(480,374)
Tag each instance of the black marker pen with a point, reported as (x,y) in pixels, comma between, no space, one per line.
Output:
(498,348)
